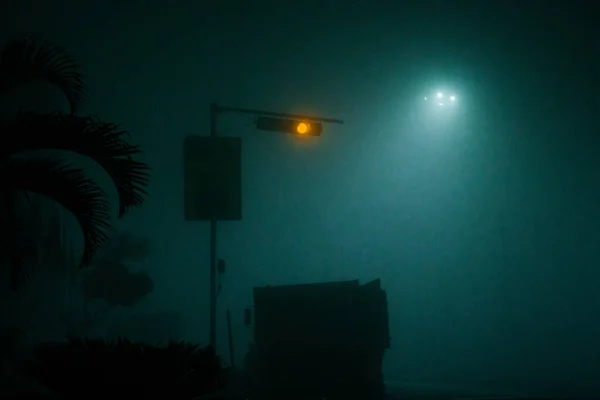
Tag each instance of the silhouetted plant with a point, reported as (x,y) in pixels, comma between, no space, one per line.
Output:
(25,60)
(124,247)
(110,278)
(97,369)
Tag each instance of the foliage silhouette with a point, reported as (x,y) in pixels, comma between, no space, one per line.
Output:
(98,369)
(24,60)
(110,278)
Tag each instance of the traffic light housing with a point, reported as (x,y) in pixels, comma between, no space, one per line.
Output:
(293,126)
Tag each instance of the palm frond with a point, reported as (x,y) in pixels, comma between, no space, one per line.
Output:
(103,142)
(131,178)
(26,59)
(15,242)
(67,186)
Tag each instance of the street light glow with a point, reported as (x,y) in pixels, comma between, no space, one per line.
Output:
(441,104)
(441,100)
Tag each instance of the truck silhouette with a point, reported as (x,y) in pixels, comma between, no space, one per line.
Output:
(318,341)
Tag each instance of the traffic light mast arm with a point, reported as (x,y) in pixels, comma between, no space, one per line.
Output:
(222,109)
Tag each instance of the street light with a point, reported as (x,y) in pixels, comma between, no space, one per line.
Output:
(441,100)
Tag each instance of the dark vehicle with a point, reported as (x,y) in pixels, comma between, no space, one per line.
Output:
(318,341)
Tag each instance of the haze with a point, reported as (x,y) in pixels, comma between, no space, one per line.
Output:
(482,223)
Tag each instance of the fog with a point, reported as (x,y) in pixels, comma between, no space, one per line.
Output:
(482,223)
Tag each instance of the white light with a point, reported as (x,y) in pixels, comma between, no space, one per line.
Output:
(439,95)
(425,98)
(441,104)
(452,98)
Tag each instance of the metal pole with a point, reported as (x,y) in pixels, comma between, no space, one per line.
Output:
(214,114)
(239,110)
(230,337)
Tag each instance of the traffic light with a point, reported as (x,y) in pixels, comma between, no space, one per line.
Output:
(293,126)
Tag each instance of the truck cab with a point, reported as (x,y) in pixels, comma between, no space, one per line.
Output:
(318,341)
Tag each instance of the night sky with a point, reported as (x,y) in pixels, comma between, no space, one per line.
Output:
(481,222)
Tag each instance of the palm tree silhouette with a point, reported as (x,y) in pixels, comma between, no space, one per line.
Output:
(24,60)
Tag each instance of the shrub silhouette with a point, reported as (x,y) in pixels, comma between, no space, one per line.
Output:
(99,369)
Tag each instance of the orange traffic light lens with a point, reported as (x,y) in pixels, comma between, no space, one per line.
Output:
(302,128)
